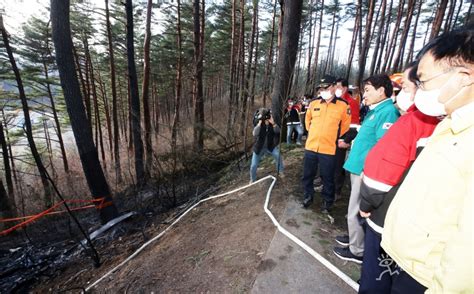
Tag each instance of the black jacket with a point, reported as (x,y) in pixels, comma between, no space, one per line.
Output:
(266,136)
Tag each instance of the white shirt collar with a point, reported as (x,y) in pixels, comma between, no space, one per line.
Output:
(371,107)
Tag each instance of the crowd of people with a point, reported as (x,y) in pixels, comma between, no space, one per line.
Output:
(410,164)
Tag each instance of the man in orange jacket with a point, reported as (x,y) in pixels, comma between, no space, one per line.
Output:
(327,121)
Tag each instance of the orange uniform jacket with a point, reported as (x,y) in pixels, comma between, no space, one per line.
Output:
(326,123)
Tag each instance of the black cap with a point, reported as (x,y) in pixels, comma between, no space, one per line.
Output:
(327,81)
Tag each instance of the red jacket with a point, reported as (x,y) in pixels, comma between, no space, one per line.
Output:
(355,119)
(390,159)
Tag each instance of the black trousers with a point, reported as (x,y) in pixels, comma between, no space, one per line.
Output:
(326,168)
(380,274)
(339,172)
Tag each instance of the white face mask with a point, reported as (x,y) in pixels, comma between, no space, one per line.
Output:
(427,102)
(326,95)
(404,100)
(338,93)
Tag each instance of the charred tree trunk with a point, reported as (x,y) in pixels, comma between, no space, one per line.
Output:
(79,123)
(198,101)
(146,91)
(176,120)
(29,130)
(287,56)
(6,163)
(233,73)
(135,99)
(116,146)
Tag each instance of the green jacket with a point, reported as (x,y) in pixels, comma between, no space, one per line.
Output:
(376,123)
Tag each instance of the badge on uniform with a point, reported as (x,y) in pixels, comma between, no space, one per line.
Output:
(317,109)
(386,126)
(348,111)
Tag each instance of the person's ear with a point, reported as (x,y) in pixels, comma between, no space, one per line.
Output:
(381,91)
(467,77)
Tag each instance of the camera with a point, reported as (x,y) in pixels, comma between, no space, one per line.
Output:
(264,114)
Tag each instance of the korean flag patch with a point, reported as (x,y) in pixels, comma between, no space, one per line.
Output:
(387,126)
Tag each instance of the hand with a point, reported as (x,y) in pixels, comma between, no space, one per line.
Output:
(342,144)
(364,214)
(271,120)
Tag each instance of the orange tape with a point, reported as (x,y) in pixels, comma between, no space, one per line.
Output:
(99,203)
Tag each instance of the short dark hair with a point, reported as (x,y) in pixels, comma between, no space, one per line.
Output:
(456,47)
(413,68)
(343,82)
(381,80)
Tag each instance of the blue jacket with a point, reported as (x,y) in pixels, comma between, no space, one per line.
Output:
(376,123)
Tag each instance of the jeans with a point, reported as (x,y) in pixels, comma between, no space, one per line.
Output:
(257,157)
(299,130)
(326,164)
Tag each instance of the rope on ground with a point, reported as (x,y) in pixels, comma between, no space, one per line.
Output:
(300,243)
(98,203)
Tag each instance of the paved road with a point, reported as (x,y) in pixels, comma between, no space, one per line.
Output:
(287,268)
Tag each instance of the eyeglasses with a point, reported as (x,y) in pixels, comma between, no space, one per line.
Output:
(421,84)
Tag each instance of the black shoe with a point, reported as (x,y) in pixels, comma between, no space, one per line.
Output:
(343,240)
(307,201)
(346,254)
(326,207)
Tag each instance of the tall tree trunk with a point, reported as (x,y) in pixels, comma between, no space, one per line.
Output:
(310,46)
(135,99)
(79,123)
(355,33)
(118,173)
(393,38)
(384,39)
(198,102)
(318,42)
(6,205)
(98,124)
(403,38)
(176,120)
(365,44)
(233,73)
(10,153)
(413,36)
(449,18)
(269,65)
(56,119)
(105,102)
(6,163)
(27,121)
(146,91)
(255,64)
(287,56)
(379,36)
(438,20)
(331,37)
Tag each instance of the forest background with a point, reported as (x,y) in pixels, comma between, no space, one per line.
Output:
(201,70)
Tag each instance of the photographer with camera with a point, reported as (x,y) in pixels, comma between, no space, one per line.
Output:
(267,137)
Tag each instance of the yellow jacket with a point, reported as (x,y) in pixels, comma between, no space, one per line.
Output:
(326,123)
(428,227)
